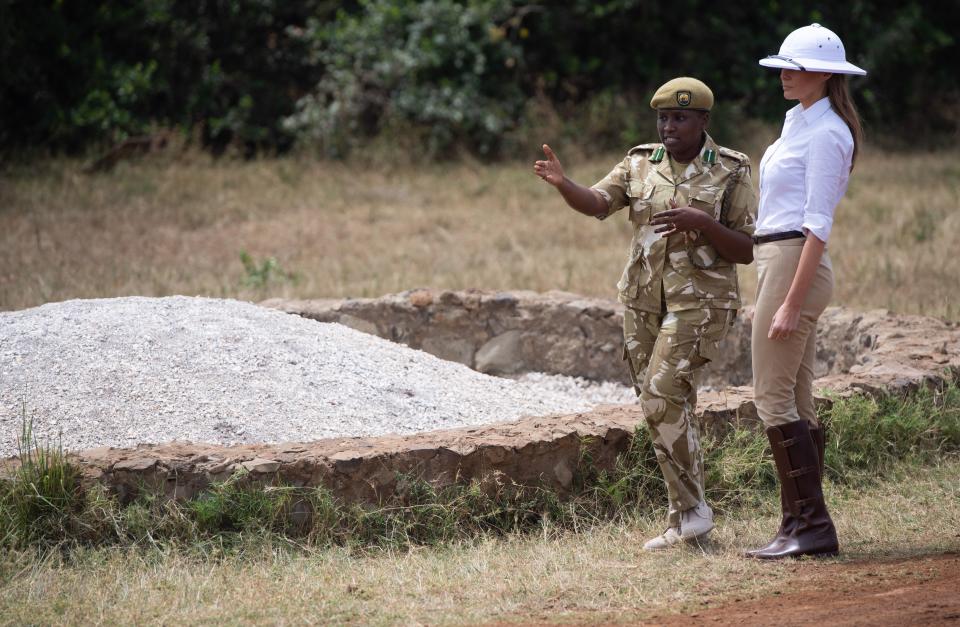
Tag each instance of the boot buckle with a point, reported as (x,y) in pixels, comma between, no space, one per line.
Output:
(802,471)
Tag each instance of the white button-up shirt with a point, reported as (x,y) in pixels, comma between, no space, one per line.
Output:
(804,174)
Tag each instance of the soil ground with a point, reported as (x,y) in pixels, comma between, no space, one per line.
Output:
(912,591)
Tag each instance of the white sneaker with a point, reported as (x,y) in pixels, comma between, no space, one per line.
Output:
(665,540)
(695,523)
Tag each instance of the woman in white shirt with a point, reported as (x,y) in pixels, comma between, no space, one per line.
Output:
(803,175)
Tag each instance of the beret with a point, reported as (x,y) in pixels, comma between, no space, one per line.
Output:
(683,93)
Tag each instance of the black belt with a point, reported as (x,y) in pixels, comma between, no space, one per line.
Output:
(776,237)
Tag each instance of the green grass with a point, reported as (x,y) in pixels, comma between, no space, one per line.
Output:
(868,435)
(597,574)
(40,500)
(42,504)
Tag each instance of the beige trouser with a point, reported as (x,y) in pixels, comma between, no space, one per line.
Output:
(666,353)
(783,369)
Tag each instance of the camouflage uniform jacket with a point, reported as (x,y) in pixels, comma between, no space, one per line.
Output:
(693,275)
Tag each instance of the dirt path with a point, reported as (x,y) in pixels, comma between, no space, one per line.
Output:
(914,591)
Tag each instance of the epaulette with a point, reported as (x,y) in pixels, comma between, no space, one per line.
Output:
(735,155)
(657,151)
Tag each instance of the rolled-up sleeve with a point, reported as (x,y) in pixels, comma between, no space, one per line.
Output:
(826,177)
(613,188)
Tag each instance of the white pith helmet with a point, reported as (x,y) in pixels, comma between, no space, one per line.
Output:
(812,49)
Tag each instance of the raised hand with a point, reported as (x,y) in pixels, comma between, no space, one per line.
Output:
(549,170)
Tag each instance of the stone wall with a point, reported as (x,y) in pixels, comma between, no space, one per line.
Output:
(508,333)
(560,333)
(531,451)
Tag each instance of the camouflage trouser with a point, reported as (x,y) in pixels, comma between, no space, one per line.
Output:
(664,353)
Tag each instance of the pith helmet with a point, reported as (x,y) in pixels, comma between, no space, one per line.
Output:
(812,49)
(683,93)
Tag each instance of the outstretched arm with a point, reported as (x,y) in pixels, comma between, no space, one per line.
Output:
(585,200)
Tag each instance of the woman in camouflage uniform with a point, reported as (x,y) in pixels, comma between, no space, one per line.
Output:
(691,204)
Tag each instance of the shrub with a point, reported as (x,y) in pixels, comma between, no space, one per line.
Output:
(442,67)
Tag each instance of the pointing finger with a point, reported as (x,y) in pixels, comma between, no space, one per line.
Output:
(549,153)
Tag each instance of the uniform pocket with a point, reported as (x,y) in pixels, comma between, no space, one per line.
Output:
(641,204)
(707,200)
(708,344)
(627,284)
(680,262)
(632,277)
(706,348)
(718,282)
(704,256)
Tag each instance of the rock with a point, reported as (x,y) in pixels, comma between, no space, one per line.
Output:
(358,324)
(450,348)
(563,474)
(420,298)
(137,464)
(501,355)
(259,466)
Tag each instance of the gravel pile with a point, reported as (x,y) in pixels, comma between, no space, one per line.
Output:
(123,371)
(592,392)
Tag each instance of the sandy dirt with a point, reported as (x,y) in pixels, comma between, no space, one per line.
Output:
(914,591)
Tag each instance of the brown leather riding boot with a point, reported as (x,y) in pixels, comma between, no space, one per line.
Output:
(806,528)
(819,436)
(787,521)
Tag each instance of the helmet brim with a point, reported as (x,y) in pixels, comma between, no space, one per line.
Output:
(813,65)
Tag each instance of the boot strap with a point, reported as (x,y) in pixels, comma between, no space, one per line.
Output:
(802,471)
(788,442)
(809,501)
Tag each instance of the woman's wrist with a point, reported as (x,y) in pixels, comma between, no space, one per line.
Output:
(708,224)
(790,303)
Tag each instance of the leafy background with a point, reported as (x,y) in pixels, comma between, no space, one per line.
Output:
(268,76)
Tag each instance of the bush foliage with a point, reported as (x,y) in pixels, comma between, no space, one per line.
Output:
(264,75)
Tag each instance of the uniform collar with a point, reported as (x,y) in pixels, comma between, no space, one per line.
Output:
(700,163)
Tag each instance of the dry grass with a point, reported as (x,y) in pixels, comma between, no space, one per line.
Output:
(596,575)
(177,226)
(169,226)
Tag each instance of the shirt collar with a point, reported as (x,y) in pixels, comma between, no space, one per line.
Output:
(811,115)
(816,110)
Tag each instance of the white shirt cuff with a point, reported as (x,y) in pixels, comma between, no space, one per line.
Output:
(819,226)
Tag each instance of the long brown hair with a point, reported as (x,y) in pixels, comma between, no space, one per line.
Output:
(842,103)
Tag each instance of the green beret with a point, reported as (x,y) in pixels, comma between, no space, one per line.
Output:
(683,93)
